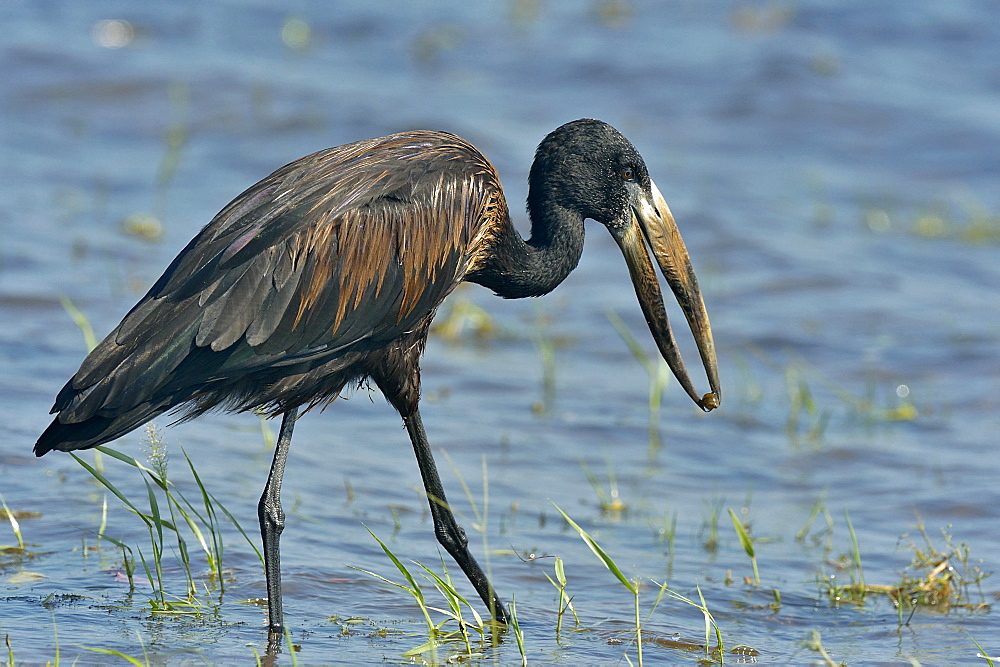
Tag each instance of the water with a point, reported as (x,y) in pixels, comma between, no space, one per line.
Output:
(833,169)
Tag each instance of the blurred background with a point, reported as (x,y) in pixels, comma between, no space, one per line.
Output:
(834,169)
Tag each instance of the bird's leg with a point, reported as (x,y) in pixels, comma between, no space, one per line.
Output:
(451,536)
(272,522)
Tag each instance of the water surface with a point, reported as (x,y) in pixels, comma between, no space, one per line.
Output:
(833,169)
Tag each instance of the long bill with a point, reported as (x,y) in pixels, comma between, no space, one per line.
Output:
(653,225)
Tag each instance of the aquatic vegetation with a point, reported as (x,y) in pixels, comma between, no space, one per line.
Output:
(132,660)
(440,635)
(966,220)
(464,317)
(747,542)
(610,502)
(814,642)
(659,377)
(631,585)
(515,627)
(716,654)
(9,554)
(565,600)
(939,578)
(203,525)
(710,524)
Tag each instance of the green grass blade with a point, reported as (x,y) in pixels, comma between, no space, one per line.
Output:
(599,552)
(89,339)
(982,653)
(110,487)
(630,341)
(118,654)
(115,454)
(742,533)
(14,525)
(415,589)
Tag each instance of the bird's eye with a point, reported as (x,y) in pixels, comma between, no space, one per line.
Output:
(627,173)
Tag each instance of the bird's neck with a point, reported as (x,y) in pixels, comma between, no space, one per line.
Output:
(519,268)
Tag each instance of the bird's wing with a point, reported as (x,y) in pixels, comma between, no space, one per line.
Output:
(356,244)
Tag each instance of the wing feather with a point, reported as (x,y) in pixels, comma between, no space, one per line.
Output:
(352,246)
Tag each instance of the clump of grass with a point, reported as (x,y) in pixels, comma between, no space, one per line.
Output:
(710,525)
(856,590)
(610,502)
(818,509)
(967,221)
(515,627)
(203,525)
(802,402)
(633,587)
(940,577)
(439,634)
(14,525)
(10,554)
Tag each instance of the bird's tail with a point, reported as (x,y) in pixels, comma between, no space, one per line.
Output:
(94,431)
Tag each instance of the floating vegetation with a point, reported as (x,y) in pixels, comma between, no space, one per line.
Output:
(938,578)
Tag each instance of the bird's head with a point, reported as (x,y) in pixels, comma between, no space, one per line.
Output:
(588,168)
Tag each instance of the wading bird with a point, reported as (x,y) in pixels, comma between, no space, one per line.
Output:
(329,271)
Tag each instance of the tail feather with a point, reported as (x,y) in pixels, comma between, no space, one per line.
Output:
(94,431)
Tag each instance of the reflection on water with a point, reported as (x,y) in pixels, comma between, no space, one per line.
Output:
(832,170)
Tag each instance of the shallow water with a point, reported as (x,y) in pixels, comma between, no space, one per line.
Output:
(833,169)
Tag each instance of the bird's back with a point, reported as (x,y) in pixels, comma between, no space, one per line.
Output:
(282,296)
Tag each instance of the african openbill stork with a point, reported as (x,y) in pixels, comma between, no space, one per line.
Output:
(329,271)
